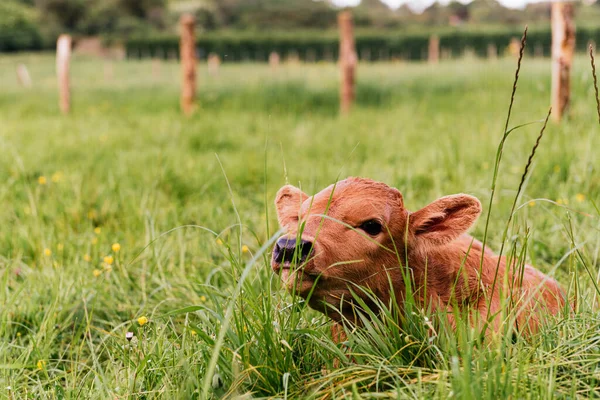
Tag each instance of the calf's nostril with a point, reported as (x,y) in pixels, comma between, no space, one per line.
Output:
(289,250)
(305,250)
(287,243)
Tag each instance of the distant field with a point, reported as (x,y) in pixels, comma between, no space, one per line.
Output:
(126,168)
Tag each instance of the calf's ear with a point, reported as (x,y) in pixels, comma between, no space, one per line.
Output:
(287,202)
(445,219)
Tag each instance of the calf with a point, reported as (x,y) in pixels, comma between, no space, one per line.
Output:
(357,234)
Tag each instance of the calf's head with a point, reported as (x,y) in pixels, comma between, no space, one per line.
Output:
(355,234)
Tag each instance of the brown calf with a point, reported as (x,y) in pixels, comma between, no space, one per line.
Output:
(368,238)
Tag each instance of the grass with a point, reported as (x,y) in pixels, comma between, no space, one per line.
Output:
(184,198)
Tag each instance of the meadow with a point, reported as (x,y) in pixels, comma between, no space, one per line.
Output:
(125,216)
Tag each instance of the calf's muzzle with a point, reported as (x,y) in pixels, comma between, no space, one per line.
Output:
(290,249)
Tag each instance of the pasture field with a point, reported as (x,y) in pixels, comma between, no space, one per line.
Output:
(127,217)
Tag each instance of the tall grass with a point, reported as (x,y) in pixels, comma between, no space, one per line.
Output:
(126,168)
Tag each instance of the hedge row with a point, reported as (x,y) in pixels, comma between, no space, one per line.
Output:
(18,30)
(314,46)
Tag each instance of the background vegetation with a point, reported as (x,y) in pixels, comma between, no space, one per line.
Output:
(126,217)
(35,24)
(371,45)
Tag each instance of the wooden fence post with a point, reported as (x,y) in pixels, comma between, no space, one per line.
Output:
(563,47)
(433,54)
(63,57)
(274,60)
(187,51)
(347,61)
(492,51)
(214,62)
(514,47)
(23,76)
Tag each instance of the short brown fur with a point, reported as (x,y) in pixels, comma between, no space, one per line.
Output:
(447,267)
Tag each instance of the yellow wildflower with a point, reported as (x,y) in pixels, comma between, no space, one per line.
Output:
(580,197)
(193,333)
(142,320)
(532,203)
(219,242)
(97,230)
(42,180)
(56,177)
(97,272)
(47,252)
(116,247)
(41,364)
(87,258)
(109,260)
(203,298)
(245,249)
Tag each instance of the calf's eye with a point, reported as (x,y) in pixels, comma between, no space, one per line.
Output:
(371,227)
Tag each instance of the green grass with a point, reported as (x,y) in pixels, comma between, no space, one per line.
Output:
(126,168)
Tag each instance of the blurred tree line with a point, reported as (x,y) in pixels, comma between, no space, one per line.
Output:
(320,14)
(92,17)
(34,24)
(24,24)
